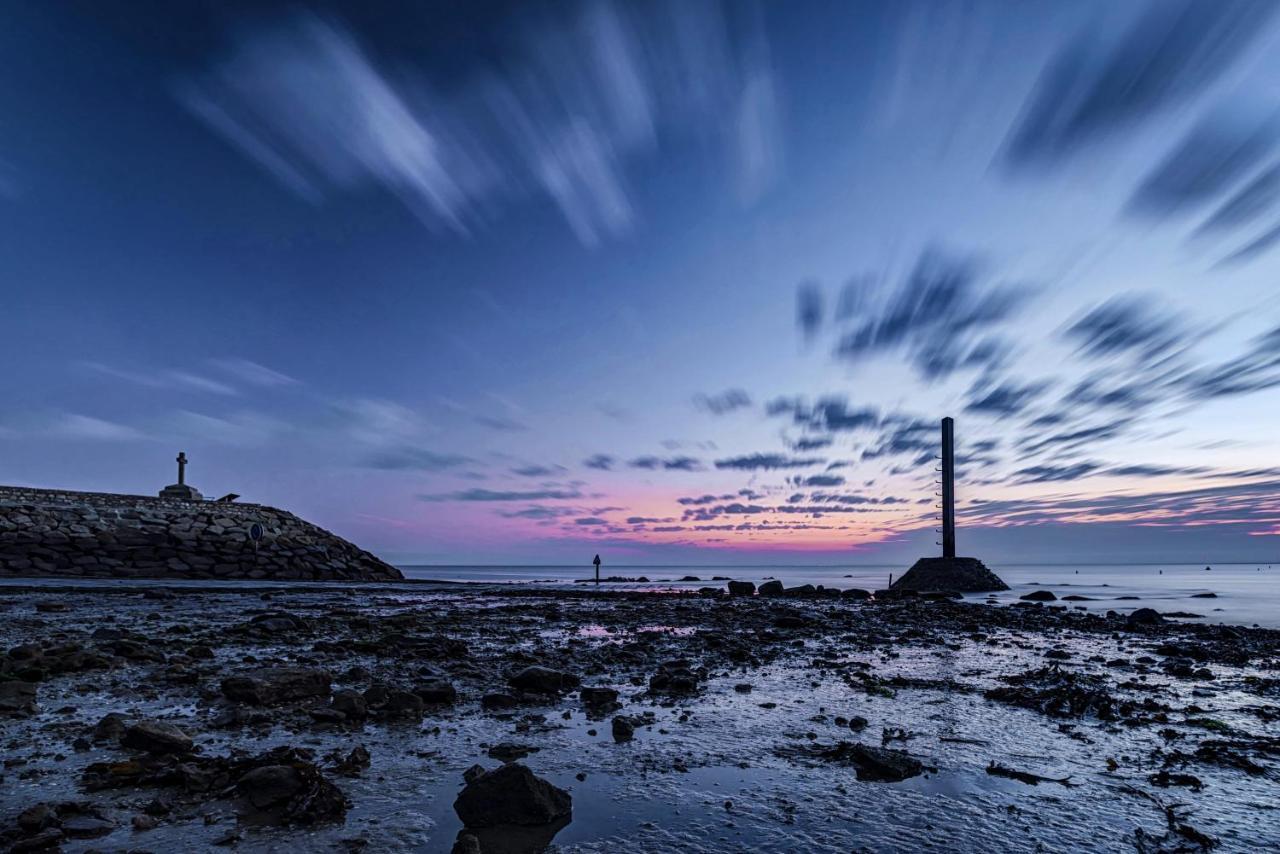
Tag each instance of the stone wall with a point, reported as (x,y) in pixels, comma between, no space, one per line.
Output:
(95,534)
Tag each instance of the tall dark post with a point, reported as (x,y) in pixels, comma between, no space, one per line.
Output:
(948,488)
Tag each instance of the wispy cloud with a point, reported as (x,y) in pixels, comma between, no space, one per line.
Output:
(313,107)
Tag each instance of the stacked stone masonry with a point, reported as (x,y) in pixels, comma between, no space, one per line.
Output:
(45,532)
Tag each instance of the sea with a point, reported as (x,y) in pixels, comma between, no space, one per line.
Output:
(1245,594)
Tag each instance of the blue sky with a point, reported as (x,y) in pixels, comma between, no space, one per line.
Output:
(681,282)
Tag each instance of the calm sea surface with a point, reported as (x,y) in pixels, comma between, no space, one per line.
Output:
(1246,594)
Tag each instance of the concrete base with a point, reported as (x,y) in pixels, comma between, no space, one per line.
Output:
(181,492)
(961,574)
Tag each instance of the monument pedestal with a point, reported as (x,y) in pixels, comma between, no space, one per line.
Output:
(959,574)
(181,492)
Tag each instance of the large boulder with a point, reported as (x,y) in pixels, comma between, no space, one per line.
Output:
(511,794)
(271,685)
(17,698)
(156,737)
(741,588)
(771,588)
(543,680)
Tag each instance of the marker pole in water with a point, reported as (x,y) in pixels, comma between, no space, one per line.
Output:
(948,488)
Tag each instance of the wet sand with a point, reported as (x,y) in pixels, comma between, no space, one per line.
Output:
(808,723)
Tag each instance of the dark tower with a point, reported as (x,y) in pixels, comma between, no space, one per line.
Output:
(949,573)
(948,488)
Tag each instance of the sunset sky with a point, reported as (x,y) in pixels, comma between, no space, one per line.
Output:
(673,282)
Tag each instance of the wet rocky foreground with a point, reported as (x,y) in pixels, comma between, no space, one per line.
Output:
(499,719)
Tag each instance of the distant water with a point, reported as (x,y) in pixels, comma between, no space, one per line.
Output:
(1247,594)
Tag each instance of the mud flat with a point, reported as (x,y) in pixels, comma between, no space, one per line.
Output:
(438,718)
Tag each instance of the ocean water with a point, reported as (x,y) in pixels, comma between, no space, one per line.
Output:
(1246,594)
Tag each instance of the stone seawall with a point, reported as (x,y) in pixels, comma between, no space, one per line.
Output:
(46,532)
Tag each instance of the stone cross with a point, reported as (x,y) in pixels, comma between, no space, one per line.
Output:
(182,468)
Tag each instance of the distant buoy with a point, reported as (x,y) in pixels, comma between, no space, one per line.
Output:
(1207,568)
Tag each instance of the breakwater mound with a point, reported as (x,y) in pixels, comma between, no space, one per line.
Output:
(49,532)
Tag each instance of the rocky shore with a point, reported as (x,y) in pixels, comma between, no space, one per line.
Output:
(488,719)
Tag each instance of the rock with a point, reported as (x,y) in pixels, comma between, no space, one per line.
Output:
(157,737)
(962,574)
(858,722)
(1204,595)
(511,794)
(598,696)
(466,843)
(110,728)
(741,588)
(37,818)
(351,704)
(498,702)
(509,751)
(473,772)
(1039,596)
(270,785)
(674,677)
(142,823)
(803,590)
(1144,617)
(272,685)
(354,762)
(624,729)
(436,690)
(543,680)
(771,588)
(404,704)
(17,698)
(85,826)
(45,840)
(856,593)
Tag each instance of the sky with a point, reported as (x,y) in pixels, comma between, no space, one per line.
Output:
(672,282)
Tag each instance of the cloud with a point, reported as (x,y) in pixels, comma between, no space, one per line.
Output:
(1220,150)
(1007,398)
(1050,473)
(163,379)
(1257,369)
(1127,324)
(725,402)
(813,444)
(539,471)
(601,462)
(411,458)
(485,495)
(1258,195)
(539,512)
(590,520)
(751,462)
(809,308)
(820,480)
(501,424)
(829,414)
(253,373)
(940,314)
(668,464)
(574,104)
(242,429)
(1094,89)
(75,426)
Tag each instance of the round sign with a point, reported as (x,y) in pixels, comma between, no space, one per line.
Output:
(255,532)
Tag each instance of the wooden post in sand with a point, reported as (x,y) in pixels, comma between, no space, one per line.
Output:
(597,563)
